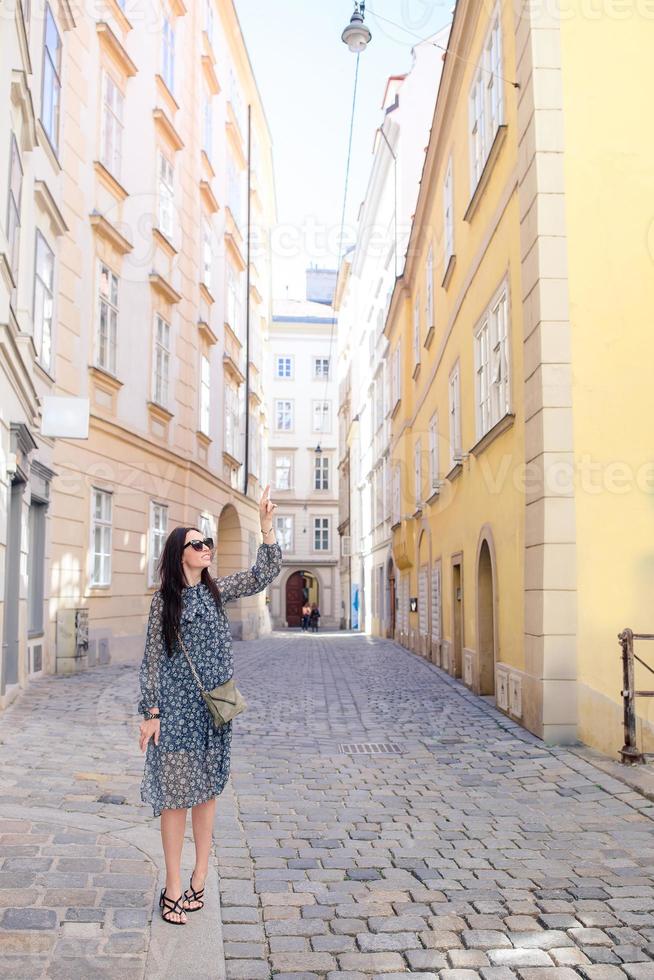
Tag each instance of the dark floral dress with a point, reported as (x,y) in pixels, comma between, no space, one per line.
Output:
(191,762)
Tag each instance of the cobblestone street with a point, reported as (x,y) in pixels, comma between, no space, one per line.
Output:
(464,849)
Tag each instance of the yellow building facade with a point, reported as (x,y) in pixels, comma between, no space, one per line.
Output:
(150,161)
(521,481)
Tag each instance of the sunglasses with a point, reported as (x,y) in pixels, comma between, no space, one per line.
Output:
(199,544)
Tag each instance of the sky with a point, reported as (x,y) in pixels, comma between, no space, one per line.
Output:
(306,78)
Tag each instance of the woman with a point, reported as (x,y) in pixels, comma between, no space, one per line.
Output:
(187,760)
(314,617)
(306,612)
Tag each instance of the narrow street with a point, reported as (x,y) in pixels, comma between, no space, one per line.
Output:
(465,848)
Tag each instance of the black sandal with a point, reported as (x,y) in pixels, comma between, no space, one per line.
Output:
(171,908)
(194,896)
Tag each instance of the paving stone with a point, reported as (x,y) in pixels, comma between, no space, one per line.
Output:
(25,918)
(590,937)
(496,973)
(301,962)
(467,958)
(247,970)
(603,972)
(639,971)
(517,957)
(439,939)
(395,941)
(244,951)
(425,959)
(396,923)
(553,973)
(458,974)
(371,962)
(484,939)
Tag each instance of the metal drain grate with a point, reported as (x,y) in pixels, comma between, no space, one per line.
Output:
(369,748)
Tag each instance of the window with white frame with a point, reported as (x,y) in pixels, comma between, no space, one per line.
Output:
(166,196)
(14,206)
(417,464)
(423,600)
(284,531)
(436,602)
(234,190)
(168,52)
(161,362)
(321,416)
(158,527)
(379,399)
(51,88)
(232,421)
(321,367)
(209,19)
(205,526)
(207,253)
(101,516)
(492,365)
(429,290)
(43,300)
(486,103)
(321,534)
(416,330)
(396,512)
(283,472)
(321,473)
(455,415)
(434,463)
(387,488)
(107,319)
(205,394)
(111,151)
(283,415)
(207,122)
(448,214)
(396,378)
(284,366)
(235,317)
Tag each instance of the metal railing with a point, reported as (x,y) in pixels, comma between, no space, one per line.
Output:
(629,752)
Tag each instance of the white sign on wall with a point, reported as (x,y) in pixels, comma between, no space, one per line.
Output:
(65,418)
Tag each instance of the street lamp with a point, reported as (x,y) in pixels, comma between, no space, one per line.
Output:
(318,450)
(356,35)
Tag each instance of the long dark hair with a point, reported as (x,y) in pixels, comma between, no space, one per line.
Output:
(173,581)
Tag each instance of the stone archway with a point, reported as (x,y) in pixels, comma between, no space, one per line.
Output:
(300,586)
(486,626)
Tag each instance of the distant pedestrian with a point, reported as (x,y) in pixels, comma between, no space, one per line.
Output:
(314,616)
(187,758)
(306,614)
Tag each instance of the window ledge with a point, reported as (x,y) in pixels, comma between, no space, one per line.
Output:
(395,408)
(105,378)
(430,336)
(203,438)
(160,412)
(434,494)
(482,183)
(416,370)
(50,151)
(110,181)
(449,270)
(395,524)
(456,471)
(504,423)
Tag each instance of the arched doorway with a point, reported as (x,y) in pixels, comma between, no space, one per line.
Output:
(228,545)
(390,572)
(301,587)
(486,620)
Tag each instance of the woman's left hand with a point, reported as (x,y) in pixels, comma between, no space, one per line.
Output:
(266,508)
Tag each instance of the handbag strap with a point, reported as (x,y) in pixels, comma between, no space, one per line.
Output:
(190,662)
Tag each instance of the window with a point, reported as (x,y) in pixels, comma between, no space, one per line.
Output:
(101,537)
(423,600)
(205,526)
(492,366)
(36,567)
(207,122)
(283,415)
(13,206)
(205,394)
(107,319)
(321,534)
(161,362)
(51,92)
(158,526)
(417,463)
(448,214)
(396,378)
(168,53)
(207,253)
(232,422)
(283,473)
(434,462)
(321,473)
(111,150)
(208,19)
(321,367)
(321,416)
(235,300)
(166,196)
(455,416)
(486,102)
(284,366)
(234,190)
(429,290)
(43,300)
(396,512)
(284,531)
(416,330)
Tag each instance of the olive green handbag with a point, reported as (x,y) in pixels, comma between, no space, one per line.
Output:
(224,702)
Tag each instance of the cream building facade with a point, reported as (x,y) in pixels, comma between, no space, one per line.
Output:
(303,463)
(368,277)
(147,200)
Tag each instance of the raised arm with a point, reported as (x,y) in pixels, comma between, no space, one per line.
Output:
(150,671)
(266,568)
